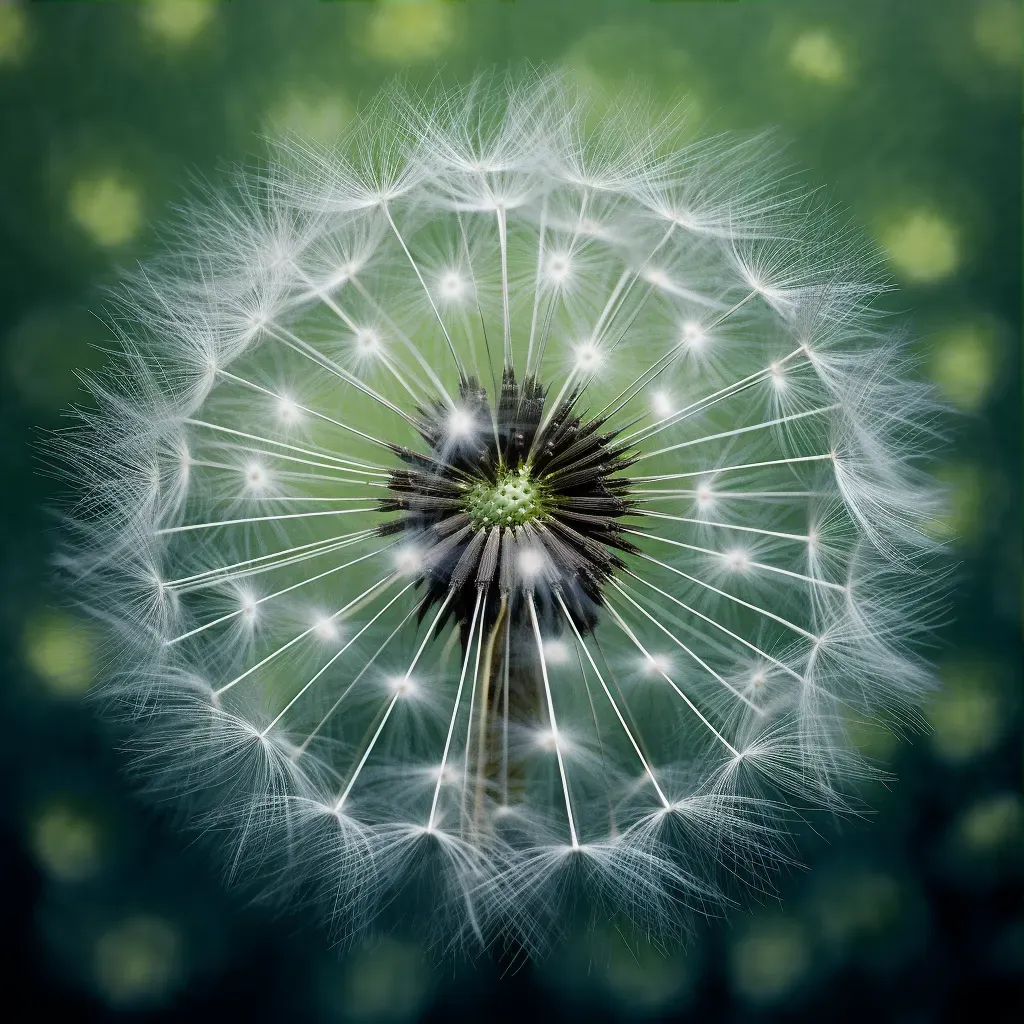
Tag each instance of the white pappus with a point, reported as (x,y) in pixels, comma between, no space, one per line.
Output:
(500,516)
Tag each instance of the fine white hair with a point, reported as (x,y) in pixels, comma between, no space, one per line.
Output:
(268,641)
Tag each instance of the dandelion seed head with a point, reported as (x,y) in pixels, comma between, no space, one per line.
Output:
(661,404)
(368,343)
(287,410)
(460,423)
(557,652)
(454,287)
(325,627)
(558,267)
(256,477)
(738,560)
(404,686)
(588,357)
(504,501)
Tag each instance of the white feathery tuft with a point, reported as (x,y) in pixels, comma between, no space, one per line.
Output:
(308,673)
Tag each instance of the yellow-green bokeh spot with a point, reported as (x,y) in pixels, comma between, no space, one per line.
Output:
(67,841)
(318,117)
(404,31)
(59,650)
(923,245)
(601,64)
(964,362)
(642,978)
(14,34)
(107,207)
(137,962)
(770,959)
(965,491)
(998,31)
(817,56)
(176,22)
(967,715)
(991,825)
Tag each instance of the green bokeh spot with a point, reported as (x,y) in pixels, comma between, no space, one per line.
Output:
(513,499)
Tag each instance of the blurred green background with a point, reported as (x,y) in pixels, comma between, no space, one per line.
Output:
(905,111)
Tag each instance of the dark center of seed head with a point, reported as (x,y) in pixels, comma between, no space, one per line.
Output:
(483,506)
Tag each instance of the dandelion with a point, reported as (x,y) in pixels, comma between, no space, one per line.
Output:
(498,517)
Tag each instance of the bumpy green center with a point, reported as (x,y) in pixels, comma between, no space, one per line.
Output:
(511,500)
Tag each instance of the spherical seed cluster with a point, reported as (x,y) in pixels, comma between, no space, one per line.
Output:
(512,498)
(502,515)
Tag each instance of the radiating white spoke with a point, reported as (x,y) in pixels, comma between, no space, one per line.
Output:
(668,494)
(276,559)
(366,666)
(536,285)
(285,474)
(469,728)
(725,556)
(619,296)
(736,387)
(687,650)
(710,621)
(257,518)
(778,421)
(455,708)
(312,412)
(248,450)
(731,597)
(314,355)
(611,309)
(421,360)
(611,700)
(276,594)
(554,724)
(334,658)
(296,498)
(505,306)
(391,705)
(301,636)
(660,477)
(333,306)
(653,662)
(802,537)
(349,465)
(426,291)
